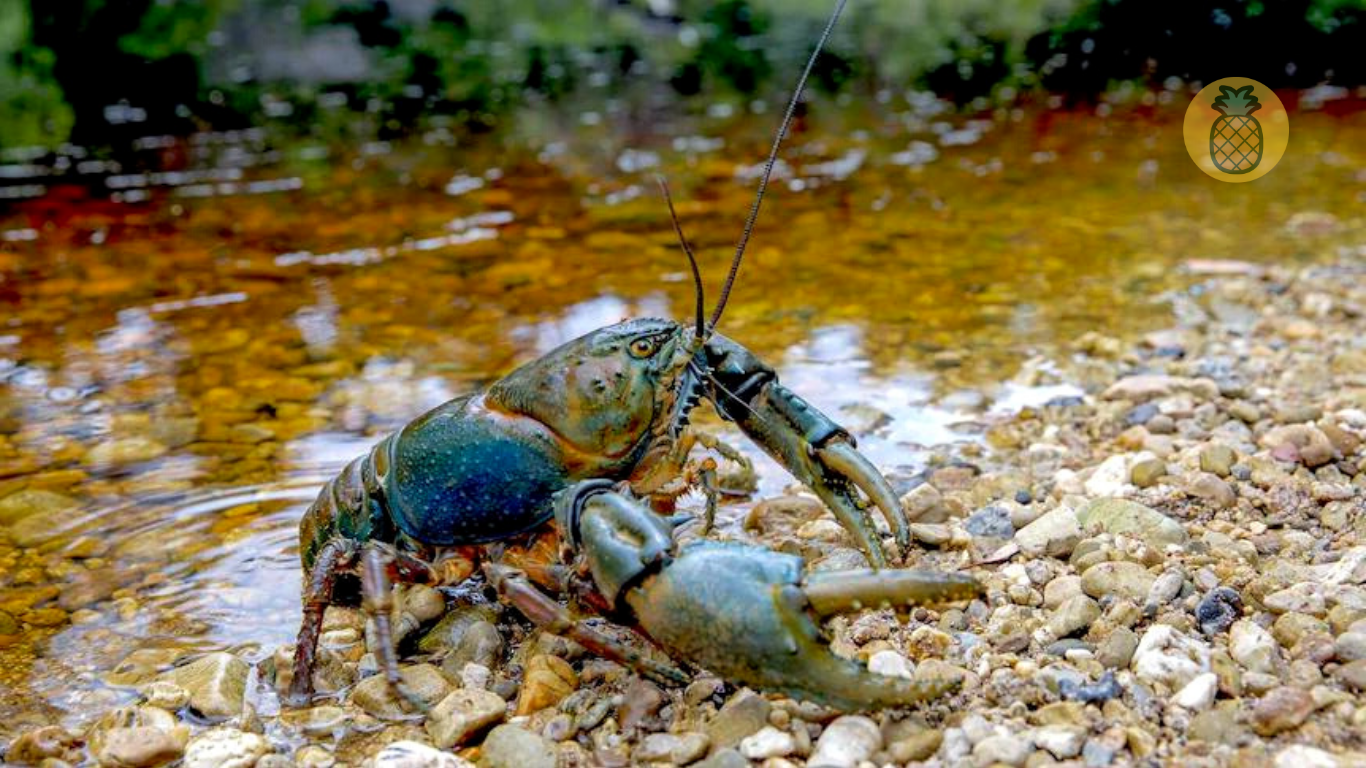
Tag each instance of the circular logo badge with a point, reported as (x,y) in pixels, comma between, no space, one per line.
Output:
(1236,129)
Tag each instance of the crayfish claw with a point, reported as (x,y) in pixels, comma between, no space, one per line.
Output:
(842,458)
(830,592)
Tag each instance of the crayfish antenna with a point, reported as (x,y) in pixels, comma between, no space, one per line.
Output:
(692,262)
(768,168)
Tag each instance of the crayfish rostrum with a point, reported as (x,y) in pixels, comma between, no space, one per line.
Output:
(570,445)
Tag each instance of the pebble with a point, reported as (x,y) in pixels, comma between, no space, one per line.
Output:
(1078,613)
(1199,693)
(1061,741)
(678,749)
(1213,490)
(743,715)
(42,743)
(641,701)
(1253,647)
(846,742)
(891,663)
(546,681)
(1281,709)
(767,742)
(378,698)
(1168,657)
(462,715)
(1118,578)
(1055,534)
(224,748)
(1134,519)
(47,505)
(1117,649)
(1305,756)
(1218,609)
(123,451)
(216,682)
(510,746)
(1217,459)
(139,746)
(1002,749)
(990,522)
(1301,443)
(1353,674)
(412,754)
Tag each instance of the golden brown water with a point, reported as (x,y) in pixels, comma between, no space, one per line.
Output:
(187,368)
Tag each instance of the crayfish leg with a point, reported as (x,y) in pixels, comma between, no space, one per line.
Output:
(334,558)
(381,566)
(512,585)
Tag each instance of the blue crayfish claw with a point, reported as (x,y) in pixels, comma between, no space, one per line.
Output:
(745,612)
(815,449)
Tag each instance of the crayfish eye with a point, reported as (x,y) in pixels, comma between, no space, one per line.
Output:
(643,347)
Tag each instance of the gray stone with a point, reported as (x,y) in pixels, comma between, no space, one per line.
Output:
(462,715)
(1121,516)
(745,713)
(509,746)
(991,522)
(1119,578)
(1054,534)
(1074,616)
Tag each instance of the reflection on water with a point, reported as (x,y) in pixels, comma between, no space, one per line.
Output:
(180,371)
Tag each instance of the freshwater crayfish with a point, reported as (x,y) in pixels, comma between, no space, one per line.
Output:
(578,436)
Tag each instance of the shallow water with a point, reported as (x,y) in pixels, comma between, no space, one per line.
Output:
(188,359)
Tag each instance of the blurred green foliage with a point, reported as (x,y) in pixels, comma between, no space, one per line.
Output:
(32,108)
(186,64)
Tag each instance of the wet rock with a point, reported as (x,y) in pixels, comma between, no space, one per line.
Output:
(1055,534)
(1118,578)
(377,697)
(1253,647)
(124,451)
(642,700)
(462,715)
(47,505)
(480,643)
(742,716)
(783,514)
(139,746)
(509,746)
(216,682)
(1218,609)
(546,681)
(767,742)
(846,742)
(224,748)
(412,754)
(1281,709)
(678,749)
(1132,519)
(47,742)
(165,694)
(916,747)
(321,720)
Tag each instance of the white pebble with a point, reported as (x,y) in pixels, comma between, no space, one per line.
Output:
(767,742)
(1199,693)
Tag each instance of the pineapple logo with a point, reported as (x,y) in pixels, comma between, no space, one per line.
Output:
(1235,139)
(1226,140)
